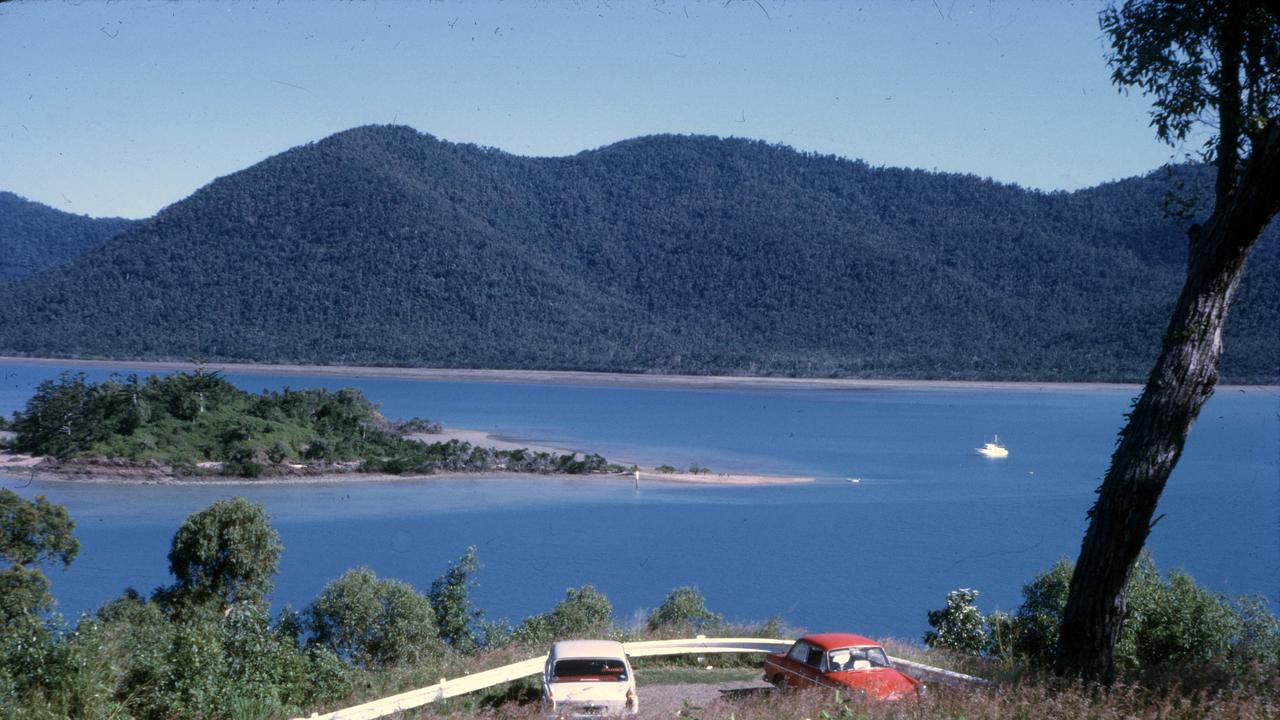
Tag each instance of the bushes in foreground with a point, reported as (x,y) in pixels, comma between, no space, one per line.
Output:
(206,647)
(1175,631)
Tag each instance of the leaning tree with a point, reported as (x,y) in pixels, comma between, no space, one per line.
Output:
(1212,70)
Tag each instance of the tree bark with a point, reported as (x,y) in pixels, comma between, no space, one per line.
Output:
(1150,444)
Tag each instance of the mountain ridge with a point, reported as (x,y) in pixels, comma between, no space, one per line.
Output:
(35,237)
(380,245)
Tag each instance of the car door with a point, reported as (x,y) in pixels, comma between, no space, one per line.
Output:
(804,665)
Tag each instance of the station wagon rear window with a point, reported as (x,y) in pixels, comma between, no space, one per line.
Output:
(589,670)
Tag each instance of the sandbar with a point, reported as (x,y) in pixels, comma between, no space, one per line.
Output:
(487,439)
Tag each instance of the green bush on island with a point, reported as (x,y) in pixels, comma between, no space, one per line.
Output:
(418,425)
(186,419)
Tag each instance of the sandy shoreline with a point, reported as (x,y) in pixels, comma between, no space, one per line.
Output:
(29,467)
(21,467)
(597,379)
(487,439)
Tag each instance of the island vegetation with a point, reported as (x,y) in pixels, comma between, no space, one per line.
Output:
(207,646)
(198,424)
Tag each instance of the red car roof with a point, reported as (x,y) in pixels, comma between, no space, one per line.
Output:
(831,641)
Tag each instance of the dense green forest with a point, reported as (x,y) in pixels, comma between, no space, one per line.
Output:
(184,420)
(674,254)
(34,237)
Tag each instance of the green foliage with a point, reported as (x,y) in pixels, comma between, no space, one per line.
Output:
(683,610)
(226,553)
(418,425)
(374,622)
(24,594)
(31,532)
(584,612)
(659,254)
(35,531)
(182,657)
(35,237)
(959,626)
(1177,623)
(450,595)
(214,666)
(52,672)
(190,418)
(1172,50)
(1172,624)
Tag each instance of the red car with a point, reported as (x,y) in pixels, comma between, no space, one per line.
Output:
(840,661)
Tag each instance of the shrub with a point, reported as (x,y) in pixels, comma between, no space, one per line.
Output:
(226,553)
(959,626)
(584,612)
(1178,623)
(450,597)
(374,622)
(683,610)
(1170,624)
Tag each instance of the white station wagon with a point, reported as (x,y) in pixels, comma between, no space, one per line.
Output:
(588,678)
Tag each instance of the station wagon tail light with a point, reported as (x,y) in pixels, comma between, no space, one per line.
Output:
(631,699)
(551,698)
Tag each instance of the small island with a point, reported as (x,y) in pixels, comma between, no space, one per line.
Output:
(196,426)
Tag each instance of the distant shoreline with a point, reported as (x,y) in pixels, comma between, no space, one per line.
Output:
(601,379)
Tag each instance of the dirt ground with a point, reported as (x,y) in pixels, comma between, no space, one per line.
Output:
(664,701)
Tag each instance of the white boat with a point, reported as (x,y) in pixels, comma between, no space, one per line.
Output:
(994,449)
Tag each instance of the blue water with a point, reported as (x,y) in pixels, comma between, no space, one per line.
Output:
(928,516)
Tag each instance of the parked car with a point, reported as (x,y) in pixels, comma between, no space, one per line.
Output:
(840,661)
(588,678)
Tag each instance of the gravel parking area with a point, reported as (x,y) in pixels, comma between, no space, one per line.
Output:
(664,701)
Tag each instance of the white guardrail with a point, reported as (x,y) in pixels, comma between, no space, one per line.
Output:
(393,704)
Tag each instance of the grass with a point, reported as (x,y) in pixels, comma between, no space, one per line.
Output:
(1027,696)
(1038,700)
(686,675)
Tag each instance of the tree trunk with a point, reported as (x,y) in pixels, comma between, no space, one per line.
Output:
(1150,444)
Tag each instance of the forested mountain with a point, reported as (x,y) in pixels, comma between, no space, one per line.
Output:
(385,246)
(34,237)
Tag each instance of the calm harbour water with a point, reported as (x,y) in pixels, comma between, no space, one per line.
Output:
(928,516)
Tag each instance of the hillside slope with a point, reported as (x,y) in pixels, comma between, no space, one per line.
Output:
(381,245)
(34,237)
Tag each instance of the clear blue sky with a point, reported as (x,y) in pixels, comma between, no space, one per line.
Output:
(122,108)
